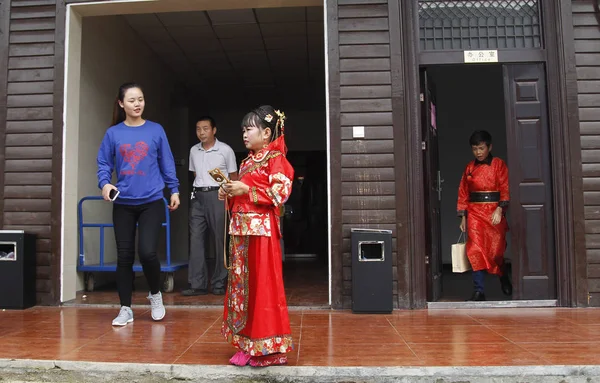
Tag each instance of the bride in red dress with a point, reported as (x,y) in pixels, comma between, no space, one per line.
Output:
(255,319)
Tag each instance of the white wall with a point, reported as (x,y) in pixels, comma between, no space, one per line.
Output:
(469,98)
(110,54)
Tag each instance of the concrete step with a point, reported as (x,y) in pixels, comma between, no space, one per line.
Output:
(33,371)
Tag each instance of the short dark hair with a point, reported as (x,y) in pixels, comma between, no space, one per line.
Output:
(211,120)
(479,137)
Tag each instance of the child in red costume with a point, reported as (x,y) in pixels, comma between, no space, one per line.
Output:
(256,316)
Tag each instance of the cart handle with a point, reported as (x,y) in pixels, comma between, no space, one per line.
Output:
(102,226)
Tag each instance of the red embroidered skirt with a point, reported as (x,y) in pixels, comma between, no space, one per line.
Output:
(255,318)
(486,243)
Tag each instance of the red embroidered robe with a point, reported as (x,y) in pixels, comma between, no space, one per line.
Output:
(486,243)
(255,318)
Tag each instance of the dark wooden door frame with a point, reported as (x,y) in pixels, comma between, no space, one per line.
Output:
(564,142)
(4,43)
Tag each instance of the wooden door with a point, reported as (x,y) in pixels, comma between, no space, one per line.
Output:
(531,216)
(432,187)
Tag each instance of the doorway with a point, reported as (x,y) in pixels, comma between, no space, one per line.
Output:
(509,101)
(217,62)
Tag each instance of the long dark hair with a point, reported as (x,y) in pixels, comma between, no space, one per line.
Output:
(118,112)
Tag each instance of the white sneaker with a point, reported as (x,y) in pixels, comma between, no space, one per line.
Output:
(158,309)
(125,316)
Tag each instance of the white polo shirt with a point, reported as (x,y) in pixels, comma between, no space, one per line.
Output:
(219,156)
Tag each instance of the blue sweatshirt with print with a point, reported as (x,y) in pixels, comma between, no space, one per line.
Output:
(142,158)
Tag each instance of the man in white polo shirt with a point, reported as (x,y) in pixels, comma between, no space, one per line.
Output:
(206,211)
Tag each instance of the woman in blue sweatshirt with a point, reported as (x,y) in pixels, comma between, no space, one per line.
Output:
(138,151)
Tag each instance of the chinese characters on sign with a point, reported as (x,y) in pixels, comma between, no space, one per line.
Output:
(481,56)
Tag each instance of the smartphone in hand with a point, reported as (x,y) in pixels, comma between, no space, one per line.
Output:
(113,194)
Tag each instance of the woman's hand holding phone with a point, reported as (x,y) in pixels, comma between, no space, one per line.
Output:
(106,192)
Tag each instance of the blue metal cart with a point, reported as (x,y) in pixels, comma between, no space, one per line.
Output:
(168,267)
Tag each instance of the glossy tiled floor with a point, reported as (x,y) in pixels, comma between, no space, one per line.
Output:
(492,337)
(305,282)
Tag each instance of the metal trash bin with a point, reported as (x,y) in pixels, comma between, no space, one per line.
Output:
(17,269)
(372,274)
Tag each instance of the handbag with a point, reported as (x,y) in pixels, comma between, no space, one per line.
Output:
(460,262)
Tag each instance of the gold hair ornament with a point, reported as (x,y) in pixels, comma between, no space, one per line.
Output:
(280,123)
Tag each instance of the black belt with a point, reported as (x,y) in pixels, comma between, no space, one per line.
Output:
(205,188)
(483,197)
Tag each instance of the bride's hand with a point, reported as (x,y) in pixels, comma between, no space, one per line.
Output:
(222,194)
(236,188)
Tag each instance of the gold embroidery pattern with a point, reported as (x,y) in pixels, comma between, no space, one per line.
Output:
(259,347)
(250,224)
(281,189)
(250,168)
(254,195)
(237,295)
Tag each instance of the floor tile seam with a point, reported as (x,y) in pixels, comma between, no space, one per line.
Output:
(397,332)
(300,337)
(542,358)
(350,326)
(406,343)
(210,342)
(196,341)
(561,343)
(84,345)
(58,338)
(394,323)
(524,349)
(460,343)
(517,345)
(478,321)
(299,348)
(497,333)
(535,325)
(355,344)
(588,324)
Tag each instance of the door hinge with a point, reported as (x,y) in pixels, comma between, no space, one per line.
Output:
(423,145)
(422,97)
(427,259)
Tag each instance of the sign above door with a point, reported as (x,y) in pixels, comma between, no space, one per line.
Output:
(476,57)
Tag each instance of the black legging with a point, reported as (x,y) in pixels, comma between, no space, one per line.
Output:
(149,218)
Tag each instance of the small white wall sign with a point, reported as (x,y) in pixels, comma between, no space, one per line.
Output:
(474,57)
(358,132)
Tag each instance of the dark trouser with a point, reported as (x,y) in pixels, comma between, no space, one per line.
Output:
(206,213)
(149,218)
(478,279)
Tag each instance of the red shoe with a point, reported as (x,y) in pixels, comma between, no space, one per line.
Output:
(268,360)
(240,358)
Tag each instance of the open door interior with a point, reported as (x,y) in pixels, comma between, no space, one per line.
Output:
(432,188)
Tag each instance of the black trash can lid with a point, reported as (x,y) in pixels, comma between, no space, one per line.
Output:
(359,230)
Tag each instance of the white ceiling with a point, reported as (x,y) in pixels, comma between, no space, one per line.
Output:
(248,49)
